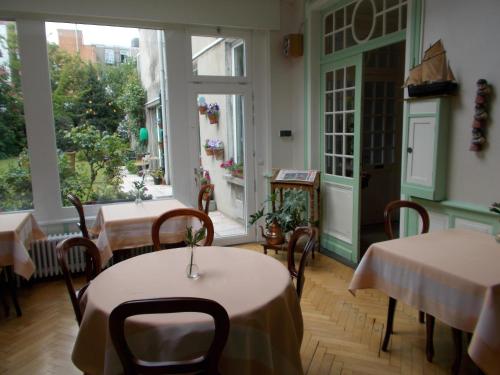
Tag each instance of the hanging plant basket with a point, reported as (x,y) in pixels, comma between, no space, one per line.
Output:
(213,118)
(218,153)
(209,151)
(202,109)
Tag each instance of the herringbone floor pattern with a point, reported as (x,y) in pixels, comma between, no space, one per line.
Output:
(342,333)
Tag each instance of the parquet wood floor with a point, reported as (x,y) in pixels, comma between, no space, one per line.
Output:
(342,333)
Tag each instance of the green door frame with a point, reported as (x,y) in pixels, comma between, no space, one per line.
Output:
(413,37)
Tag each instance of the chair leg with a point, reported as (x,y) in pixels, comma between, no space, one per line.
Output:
(421,316)
(457,341)
(429,339)
(13,289)
(390,322)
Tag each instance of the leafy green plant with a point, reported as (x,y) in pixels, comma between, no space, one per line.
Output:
(132,168)
(289,214)
(192,239)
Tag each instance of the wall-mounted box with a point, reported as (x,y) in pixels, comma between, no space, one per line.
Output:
(425,148)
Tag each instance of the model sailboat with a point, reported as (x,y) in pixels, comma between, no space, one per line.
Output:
(433,76)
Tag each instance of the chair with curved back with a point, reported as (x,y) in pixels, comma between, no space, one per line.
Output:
(310,235)
(429,319)
(206,364)
(184,216)
(75,201)
(92,268)
(204,195)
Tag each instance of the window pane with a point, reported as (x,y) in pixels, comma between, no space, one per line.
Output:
(349,123)
(338,144)
(339,19)
(214,56)
(108,118)
(328,44)
(339,101)
(329,23)
(338,166)
(339,124)
(329,164)
(329,102)
(329,123)
(15,176)
(339,40)
(349,167)
(329,81)
(329,144)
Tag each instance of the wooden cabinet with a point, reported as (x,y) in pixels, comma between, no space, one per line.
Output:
(425,148)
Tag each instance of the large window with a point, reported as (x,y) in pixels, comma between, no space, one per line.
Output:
(109,143)
(15,176)
(220,57)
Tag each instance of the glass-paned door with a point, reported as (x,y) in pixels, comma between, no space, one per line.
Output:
(222,120)
(340,154)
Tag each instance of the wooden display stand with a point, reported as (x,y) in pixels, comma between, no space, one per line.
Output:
(311,187)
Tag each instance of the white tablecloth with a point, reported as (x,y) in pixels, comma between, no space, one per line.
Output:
(266,321)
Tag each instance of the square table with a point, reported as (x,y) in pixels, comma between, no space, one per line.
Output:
(453,275)
(17,230)
(128,225)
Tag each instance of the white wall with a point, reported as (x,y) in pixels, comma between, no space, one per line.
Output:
(255,14)
(469,30)
(287,91)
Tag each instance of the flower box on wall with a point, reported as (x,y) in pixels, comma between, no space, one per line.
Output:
(213,113)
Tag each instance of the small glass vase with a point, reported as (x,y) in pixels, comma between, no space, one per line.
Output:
(192,270)
(138,198)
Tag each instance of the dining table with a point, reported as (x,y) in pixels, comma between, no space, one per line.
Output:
(453,275)
(128,225)
(266,325)
(17,231)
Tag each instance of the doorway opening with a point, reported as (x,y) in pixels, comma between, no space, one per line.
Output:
(382,125)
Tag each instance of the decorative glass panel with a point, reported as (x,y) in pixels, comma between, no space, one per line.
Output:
(361,21)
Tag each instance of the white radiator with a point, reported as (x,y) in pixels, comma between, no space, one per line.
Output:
(43,254)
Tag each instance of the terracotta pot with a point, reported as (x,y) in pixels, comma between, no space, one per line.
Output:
(209,151)
(218,153)
(202,109)
(213,118)
(274,235)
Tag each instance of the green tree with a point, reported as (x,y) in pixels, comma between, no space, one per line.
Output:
(12,129)
(102,152)
(97,105)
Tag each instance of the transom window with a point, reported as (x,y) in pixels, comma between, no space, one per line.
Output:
(339,121)
(361,21)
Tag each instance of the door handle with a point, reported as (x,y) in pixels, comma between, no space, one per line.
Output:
(410,150)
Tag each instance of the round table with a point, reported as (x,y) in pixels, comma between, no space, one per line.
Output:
(265,318)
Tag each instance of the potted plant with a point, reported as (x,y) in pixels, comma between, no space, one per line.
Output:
(157,175)
(288,215)
(213,113)
(214,147)
(237,170)
(227,165)
(202,105)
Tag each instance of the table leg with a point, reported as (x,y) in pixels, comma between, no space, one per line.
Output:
(2,294)
(457,341)
(429,344)
(13,289)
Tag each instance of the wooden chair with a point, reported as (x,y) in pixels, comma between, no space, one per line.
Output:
(178,214)
(310,235)
(424,216)
(79,208)
(92,268)
(205,364)
(204,195)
